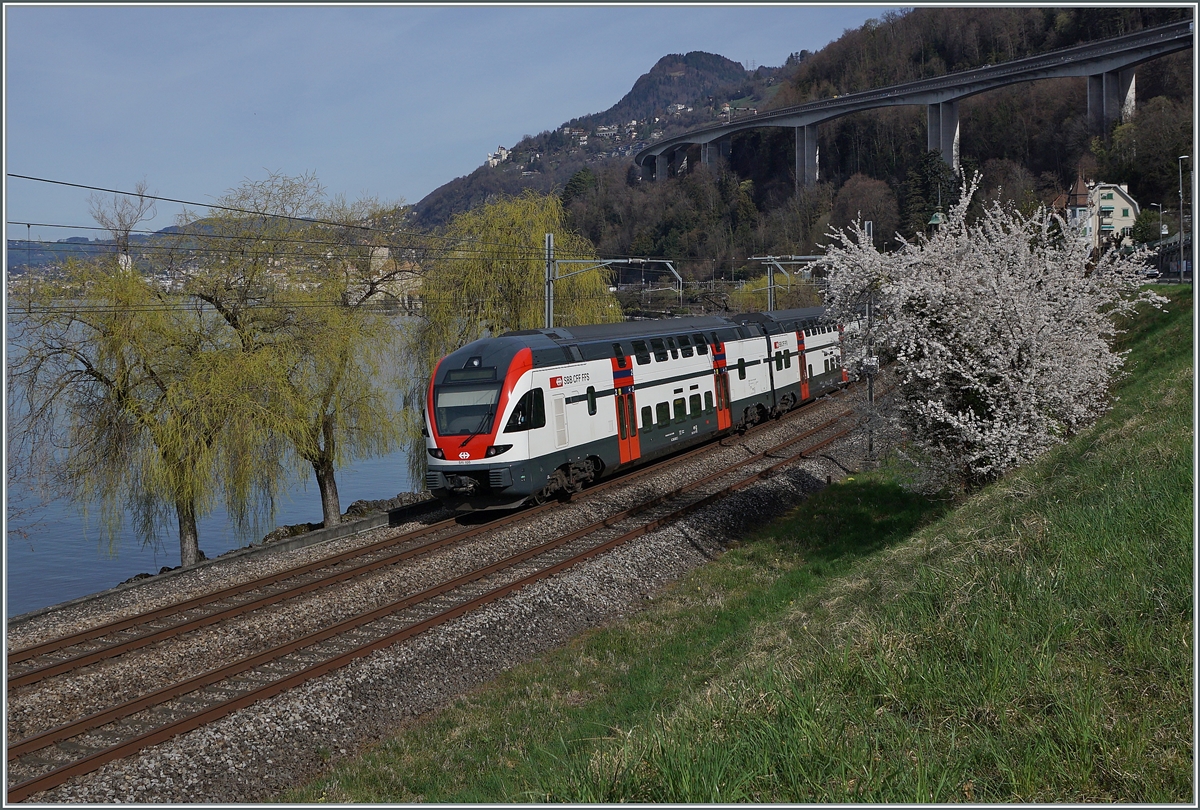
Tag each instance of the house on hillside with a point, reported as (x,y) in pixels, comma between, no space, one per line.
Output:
(1099,212)
(499,156)
(1112,213)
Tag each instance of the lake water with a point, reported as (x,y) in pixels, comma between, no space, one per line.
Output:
(63,555)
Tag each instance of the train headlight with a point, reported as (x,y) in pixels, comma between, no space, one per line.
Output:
(436,452)
(497,449)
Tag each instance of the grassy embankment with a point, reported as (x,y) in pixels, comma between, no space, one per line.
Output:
(1034,643)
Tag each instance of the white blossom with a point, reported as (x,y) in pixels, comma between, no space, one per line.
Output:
(999,333)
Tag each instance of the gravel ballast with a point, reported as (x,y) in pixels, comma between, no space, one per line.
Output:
(257,752)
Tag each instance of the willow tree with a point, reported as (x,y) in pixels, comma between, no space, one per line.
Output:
(296,276)
(490,278)
(129,402)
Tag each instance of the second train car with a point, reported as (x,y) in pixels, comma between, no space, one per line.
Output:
(538,414)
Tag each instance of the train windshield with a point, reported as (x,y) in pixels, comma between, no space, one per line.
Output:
(464,410)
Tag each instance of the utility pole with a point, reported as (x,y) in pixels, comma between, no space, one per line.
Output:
(1160,235)
(871,368)
(552,274)
(1182,158)
(549,281)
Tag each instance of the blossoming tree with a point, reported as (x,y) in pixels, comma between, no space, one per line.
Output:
(997,332)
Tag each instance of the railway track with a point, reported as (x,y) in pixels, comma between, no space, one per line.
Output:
(52,756)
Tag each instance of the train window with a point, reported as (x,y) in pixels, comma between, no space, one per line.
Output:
(647,420)
(701,344)
(694,404)
(660,350)
(685,345)
(779,361)
(716,341)
(664,413)
(680,410)
(708,402)
(619,354)
(787,359)
(641,352)
(741,368)
(632,418)
(530,412)
(622,432)
(591,400)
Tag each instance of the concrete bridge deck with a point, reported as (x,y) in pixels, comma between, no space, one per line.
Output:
(1108,65)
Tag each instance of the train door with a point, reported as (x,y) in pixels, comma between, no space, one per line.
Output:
(721,384)
(842,353)
(627,431)
(628,443)
(803,358)
(774,363)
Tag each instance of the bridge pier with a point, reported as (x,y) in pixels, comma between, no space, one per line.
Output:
(942,131)
(1111,96)
(662,165)
(808,156)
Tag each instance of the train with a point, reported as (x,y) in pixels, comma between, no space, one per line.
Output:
(538,414)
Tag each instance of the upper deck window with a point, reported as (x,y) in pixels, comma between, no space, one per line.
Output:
(641,352)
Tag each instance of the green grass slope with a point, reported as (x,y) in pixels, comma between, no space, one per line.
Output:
(1032,644)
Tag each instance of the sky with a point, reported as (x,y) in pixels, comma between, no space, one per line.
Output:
(387,101)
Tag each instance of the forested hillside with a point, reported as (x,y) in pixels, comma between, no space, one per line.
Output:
(697,81)
(1030,141)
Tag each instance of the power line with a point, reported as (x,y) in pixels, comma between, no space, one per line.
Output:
(253,213)
(186,202)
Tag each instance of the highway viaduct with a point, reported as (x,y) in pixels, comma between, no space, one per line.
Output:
(1108,65)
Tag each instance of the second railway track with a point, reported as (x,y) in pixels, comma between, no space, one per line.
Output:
(49,756)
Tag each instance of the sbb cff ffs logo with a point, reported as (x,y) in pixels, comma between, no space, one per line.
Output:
(569,379)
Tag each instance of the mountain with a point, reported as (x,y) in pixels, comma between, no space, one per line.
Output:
(678,79)
(680,92)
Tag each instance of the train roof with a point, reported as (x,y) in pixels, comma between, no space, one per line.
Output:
(627,329)
(783,320)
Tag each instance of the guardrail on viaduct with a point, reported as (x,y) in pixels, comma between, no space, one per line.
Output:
(1108,65)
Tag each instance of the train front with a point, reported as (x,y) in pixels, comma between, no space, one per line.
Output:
(478,413)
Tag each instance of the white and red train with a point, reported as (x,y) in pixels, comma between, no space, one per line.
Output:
(539,414)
